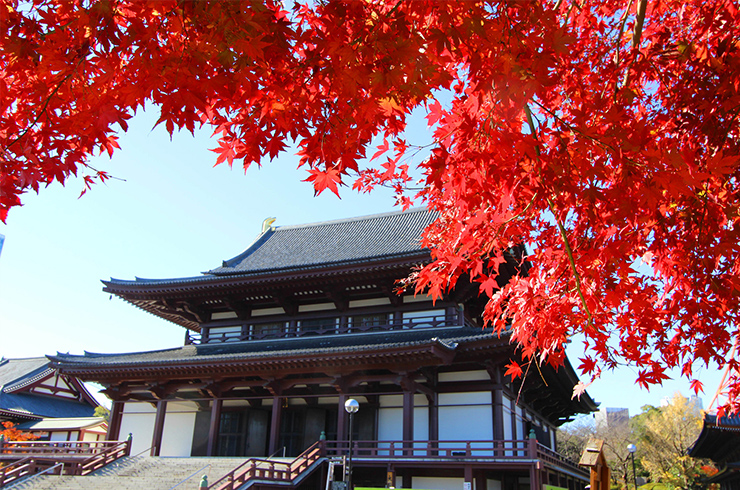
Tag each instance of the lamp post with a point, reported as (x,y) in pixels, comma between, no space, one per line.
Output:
(351,406)
(632,448)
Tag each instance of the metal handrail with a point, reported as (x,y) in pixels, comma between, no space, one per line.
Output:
(188,478)
(25,480)
(282,449)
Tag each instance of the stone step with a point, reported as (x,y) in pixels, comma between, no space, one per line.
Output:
(141,472)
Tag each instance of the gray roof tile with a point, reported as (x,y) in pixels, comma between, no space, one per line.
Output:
(276,348)
(362,240)
(14,371)
(332,242)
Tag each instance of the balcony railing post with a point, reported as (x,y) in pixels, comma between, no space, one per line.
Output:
(532,444)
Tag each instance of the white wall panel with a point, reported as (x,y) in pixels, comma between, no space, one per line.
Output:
(58,436)
(465,417)
(177,437)
(138,420)
(430,483)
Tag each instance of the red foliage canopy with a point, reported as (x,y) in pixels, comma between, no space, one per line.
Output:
(603,133)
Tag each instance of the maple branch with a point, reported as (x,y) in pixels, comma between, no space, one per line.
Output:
(572,262)
(636,35)
(622,23)
(561,228)
(588,136)
(46,105)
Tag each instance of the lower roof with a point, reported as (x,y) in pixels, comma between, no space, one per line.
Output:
(347,353)
(67,423)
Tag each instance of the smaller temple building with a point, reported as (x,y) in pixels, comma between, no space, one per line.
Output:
(31,390)
(278,338)
(719,440)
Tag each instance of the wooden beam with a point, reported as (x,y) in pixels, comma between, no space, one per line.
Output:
(339,297)
(287,302)
(242,309)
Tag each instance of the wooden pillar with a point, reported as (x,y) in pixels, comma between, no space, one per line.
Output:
(433,416)
(480,481)
(406,479)
(158,428)
(342,419)
(213,428)
(277,412)
(114,423)
(468,485)
(408,420)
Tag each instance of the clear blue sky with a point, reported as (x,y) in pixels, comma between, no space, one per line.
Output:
(174,215)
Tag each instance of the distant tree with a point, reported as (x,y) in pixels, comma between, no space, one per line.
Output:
(101,411)
(572,439)
(665,434)
(11,433)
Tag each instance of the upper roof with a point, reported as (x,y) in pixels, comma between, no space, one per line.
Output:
(360,240)
(332,242)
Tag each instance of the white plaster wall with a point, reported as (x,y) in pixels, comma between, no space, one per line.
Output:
(177,437)
(430,483)
(421,423)
(390,419)
(508,428)
(58,436)
(90,436)
(465,417)
(138,419)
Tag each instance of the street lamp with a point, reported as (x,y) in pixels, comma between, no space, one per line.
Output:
(351,406)
(632,448)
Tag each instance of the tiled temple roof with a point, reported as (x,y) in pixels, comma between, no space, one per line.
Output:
(719,440)
(16,375)
(277,348)
(362,240)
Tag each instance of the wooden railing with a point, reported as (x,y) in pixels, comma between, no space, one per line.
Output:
(66,448)
(17,469)
(516,449)
(513,450)
(324,326)
(269,470)
(79,458)
(557,460)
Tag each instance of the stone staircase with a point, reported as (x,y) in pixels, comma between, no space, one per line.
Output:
(139,473)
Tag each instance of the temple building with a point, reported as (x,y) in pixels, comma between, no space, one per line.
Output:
(278,338)
(719,440)
(32,390)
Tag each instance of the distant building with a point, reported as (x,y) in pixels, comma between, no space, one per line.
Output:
(611,417)
(83,429)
